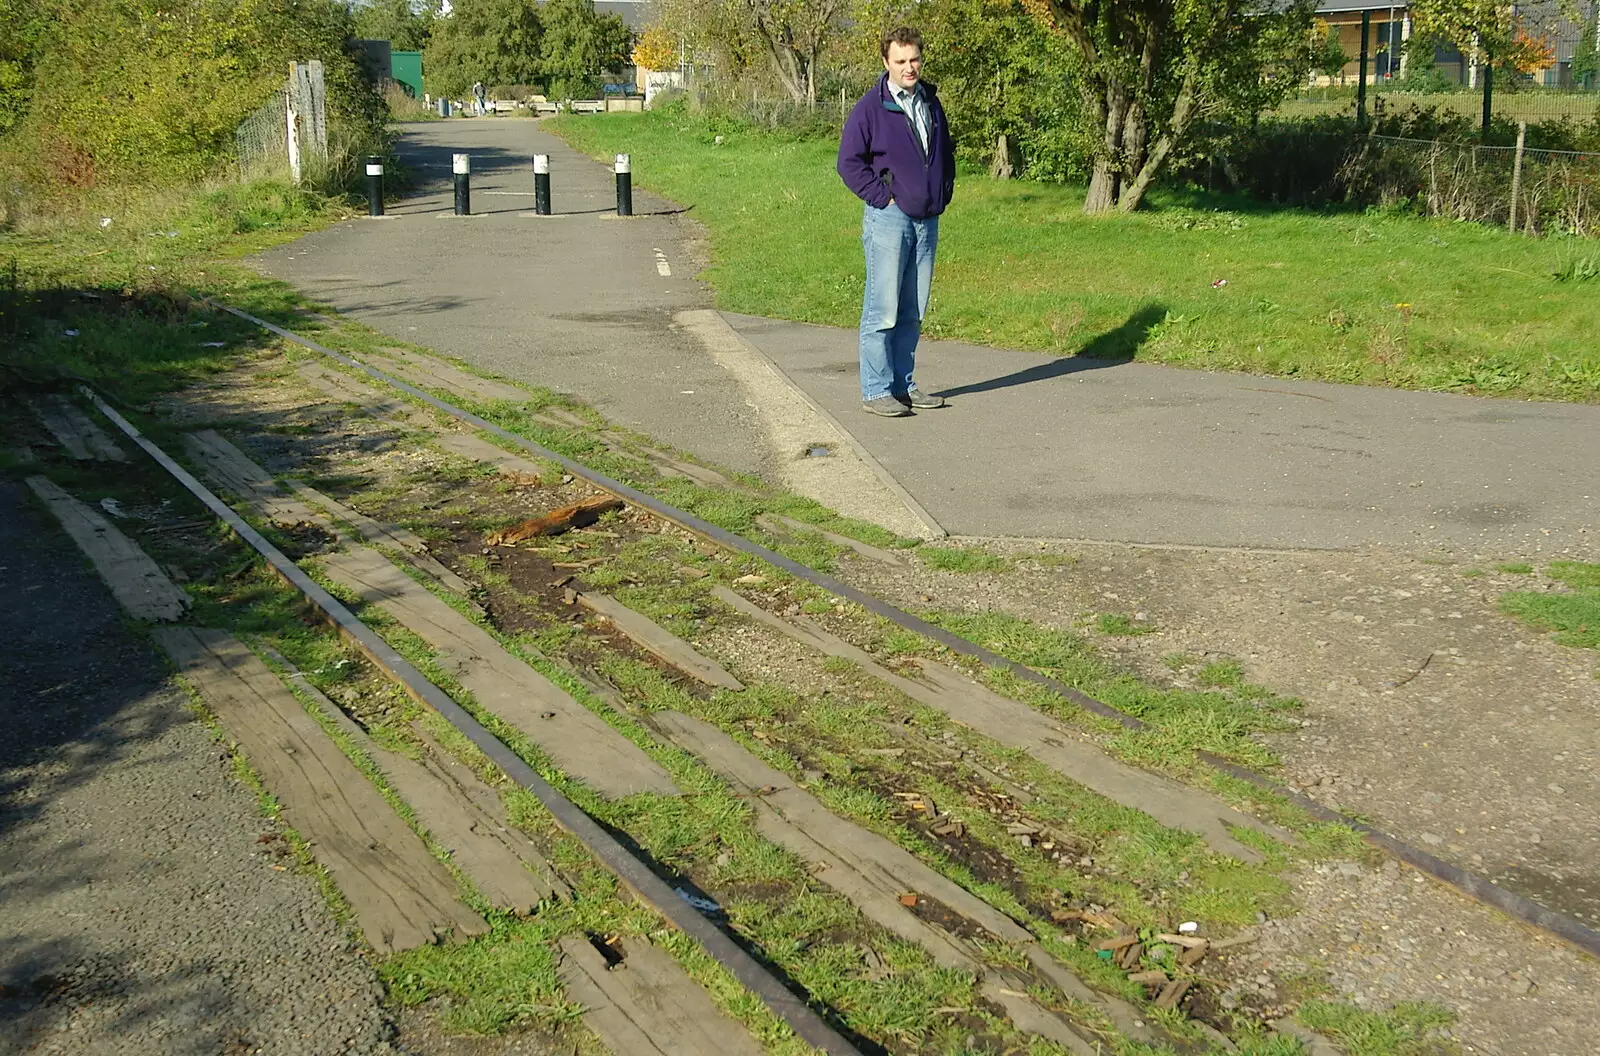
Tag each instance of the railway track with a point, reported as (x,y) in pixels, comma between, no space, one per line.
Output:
(583,751)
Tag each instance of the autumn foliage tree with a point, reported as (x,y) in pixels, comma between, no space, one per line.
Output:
(1152,69)
(1499,34)
(657,49)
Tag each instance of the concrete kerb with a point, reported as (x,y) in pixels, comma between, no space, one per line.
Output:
(857,485)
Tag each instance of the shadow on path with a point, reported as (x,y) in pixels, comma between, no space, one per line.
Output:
(1110,349)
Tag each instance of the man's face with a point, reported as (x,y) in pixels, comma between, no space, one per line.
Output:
(904,63)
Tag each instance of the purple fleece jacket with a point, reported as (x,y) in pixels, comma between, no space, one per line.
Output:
(880,156)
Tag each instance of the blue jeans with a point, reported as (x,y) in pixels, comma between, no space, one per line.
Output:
(899,274)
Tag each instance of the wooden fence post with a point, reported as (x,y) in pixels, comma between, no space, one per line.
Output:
(292,116)
(1516,173)
(317,96)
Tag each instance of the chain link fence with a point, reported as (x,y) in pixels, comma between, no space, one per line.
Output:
(261,142)
(287,134)
(1505,103)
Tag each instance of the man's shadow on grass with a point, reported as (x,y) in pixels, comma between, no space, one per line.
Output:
(1110,349)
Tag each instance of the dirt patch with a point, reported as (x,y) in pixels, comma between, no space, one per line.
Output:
(1485,754)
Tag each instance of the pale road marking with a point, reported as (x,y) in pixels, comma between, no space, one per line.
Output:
(849,480)
(662,267)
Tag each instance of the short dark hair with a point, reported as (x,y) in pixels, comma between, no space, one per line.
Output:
(902,35)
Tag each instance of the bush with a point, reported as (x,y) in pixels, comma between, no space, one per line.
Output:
(148,92)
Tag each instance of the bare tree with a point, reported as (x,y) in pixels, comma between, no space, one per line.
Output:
(795,34)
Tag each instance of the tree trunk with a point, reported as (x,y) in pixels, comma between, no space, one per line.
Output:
(1103,187)
(1005,159)
(1183,112)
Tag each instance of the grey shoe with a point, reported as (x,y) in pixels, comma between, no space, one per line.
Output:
(886,406)
(915,397)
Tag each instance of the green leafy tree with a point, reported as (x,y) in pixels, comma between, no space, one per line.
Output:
(25,30)
(1513,39)
(795,34)
(1327,54)
(405,24)
(1468,25)
(1151,69)
(1005,81)
(494,41)
(579,45)
(711,32)
(790,39)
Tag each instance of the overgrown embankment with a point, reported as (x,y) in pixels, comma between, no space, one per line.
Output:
(120,199)
(105,92)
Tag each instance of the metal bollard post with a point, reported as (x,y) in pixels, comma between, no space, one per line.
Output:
(462,164)
(374,185)
(624,185)
(541,184)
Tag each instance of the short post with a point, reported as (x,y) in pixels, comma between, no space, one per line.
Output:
(1361,77)
(462,165)
(1516,173)
(624,185)
(541,184)
(374,185)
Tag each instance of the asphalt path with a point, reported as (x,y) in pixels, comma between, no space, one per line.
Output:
(580,302)
(1104,449)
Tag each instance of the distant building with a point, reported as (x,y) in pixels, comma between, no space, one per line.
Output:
(635,14)
(1391,30)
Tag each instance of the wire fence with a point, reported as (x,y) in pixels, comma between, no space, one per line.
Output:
(1532,191)
(261,142)
(1535,105)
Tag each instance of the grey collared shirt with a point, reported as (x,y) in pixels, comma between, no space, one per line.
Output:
(916,106)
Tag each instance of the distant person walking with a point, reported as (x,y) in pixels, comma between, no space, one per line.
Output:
(479,98)
(896,156)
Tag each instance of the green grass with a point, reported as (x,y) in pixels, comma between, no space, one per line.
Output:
(1516,569)
(118,303)
(962,559)
(1405,1030)
(1221,719)
(1119,626)
(1574,615)
(1307,295)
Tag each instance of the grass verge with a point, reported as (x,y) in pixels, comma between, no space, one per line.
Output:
(1358,298)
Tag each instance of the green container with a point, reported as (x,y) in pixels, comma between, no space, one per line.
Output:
(406,68)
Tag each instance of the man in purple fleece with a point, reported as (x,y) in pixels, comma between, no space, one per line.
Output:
(896,156)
